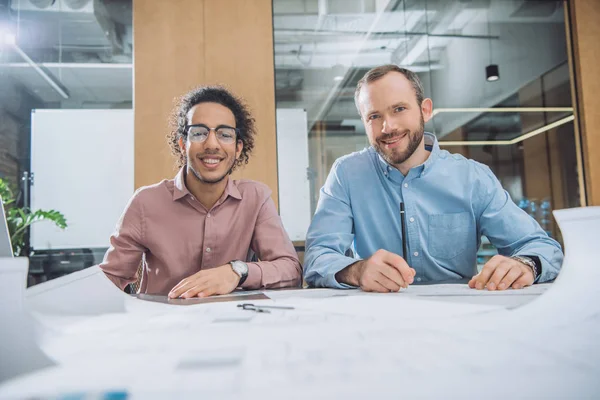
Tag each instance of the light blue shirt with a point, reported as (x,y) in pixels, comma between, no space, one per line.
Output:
(450,202)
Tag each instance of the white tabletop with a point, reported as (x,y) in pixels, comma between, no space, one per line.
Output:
(435,341)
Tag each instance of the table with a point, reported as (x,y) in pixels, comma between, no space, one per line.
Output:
(429,341)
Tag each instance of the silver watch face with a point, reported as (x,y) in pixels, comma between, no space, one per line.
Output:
(240,268)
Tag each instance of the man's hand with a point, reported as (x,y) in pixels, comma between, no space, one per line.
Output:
(382,272)
(219,280)
(500,273)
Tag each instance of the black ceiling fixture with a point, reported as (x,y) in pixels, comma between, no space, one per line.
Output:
(492,72)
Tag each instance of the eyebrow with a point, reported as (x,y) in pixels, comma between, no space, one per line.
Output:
(399,104)
(217,127)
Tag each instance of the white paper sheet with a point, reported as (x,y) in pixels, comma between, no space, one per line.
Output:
(85,292)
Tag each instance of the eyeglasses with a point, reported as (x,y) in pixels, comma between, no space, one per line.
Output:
(198,133)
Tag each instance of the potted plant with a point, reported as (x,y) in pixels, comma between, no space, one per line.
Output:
(20,218)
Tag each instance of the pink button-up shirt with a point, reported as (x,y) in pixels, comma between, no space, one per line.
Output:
(180,237)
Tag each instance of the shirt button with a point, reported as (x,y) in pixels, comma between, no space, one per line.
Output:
(208,249)
(419,279)
(406,185)
(416,254)
(412,219)
(208,215)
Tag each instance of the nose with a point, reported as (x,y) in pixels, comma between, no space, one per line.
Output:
(388,126)
(211,141)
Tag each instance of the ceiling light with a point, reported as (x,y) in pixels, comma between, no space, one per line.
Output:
(338,78)
(9,39)
(492,73)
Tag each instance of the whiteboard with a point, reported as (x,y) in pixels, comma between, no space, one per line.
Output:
(292,164)
(82,161)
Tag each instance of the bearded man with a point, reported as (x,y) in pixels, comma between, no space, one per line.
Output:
(449,203)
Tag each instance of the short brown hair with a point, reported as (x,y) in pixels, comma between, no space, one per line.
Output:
(379,72)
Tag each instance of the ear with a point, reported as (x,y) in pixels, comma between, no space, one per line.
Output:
(427,109)
(239,146)
(182,145)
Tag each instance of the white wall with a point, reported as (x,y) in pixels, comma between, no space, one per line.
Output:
(82,161)
(292,161)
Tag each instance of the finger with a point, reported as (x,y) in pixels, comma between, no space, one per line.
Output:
(180,288)
(393,275)
(499,274)
(511,276)
(394,260)
(179,285)
(368,281)
(472,283)
(175,293)
(375,286)
(482,278)
(387,283)
(523,281)
(194,290)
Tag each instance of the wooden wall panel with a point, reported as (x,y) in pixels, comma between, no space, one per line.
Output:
(168,61)
(239,54)
(185,43)
(585,32)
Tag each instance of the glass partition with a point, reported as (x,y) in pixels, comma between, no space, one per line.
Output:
(496,71)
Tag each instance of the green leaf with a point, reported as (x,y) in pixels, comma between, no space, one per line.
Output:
(19,219)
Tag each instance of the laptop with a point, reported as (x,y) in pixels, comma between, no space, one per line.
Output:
(5,246)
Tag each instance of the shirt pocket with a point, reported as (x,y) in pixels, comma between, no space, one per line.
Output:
(448,234)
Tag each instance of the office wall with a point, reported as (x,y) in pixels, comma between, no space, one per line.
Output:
(585,31)
(185,43)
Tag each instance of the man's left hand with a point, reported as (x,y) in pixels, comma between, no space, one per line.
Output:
(501,273)
(219,280)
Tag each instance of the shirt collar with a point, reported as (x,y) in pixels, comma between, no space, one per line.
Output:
(232,189)
(181,190)
(431,144)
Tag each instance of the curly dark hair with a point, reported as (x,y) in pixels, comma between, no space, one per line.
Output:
(212,94)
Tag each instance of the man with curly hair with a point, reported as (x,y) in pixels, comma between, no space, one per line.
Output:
(196,233)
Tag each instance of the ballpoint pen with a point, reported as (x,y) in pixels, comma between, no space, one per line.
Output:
(403,223)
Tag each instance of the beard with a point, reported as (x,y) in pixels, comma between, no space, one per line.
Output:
(213,180)
(397,156)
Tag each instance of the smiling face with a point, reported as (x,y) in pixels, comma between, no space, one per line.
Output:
(210,161)
(393,119)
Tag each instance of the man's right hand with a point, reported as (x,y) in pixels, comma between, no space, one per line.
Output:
(382,272)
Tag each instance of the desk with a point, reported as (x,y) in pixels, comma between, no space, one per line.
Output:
(333,344)
(540,342)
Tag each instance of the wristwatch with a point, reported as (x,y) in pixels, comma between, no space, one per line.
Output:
(240,268)
(530,263)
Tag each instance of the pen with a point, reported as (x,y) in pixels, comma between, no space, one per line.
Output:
(252,307)
(403,222)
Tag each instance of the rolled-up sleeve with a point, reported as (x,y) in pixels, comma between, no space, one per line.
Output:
(278,264)
(125,253)
(330,234)
(511,230)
